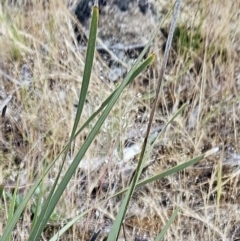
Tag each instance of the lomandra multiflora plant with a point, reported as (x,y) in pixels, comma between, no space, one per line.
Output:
(60,183)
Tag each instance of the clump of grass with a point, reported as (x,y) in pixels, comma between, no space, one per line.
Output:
(52,141)
(186,39)
(190,43)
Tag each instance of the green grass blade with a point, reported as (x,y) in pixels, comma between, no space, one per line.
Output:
(116,226)
(35,234)
(177,168)
(26,199)
(46,203)
(69,224)
(87,68)
(82,98)
(21,207)
(44,208)
(43,218)
(113,235)
(153,139)
(144,182)
(166,227)
(12,205)
(138,70)
(13,201)
(170,171)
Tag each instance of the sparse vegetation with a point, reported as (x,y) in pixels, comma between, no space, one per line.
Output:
(41,67)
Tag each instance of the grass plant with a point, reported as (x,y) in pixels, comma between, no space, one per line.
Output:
(71,158)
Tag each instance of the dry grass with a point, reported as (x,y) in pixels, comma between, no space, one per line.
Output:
(43,70)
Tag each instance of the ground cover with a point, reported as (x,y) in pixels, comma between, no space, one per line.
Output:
(42,67)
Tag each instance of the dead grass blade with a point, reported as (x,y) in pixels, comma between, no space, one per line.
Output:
(114,233)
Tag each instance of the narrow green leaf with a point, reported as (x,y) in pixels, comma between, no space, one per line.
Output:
(45,214)
(177,168)
(82,98)
(166,227)
(69,224)
(129,78)
(22,205)
(87,68)
(13,202)
(166,173)
(44,208)
(170,171)
(12,205)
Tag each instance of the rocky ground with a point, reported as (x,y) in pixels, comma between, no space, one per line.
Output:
(120,40)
